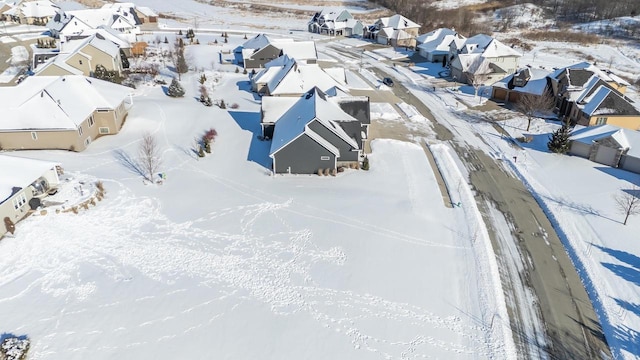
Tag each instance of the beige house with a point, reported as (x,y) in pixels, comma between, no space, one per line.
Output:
(65,112)
(37,12)
(82,57)
(22,180)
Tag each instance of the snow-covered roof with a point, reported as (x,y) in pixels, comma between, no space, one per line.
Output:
(70,48)
(487,46)
(606,101)
(398,21)
(37,9)
(57,102)
(146,11)
(536,84)
(106,17)
(60,62)
(438,40)
(19,173)
(313,105)
(299,50)
(497,49)
(607,76)
(628,139)
(259,41)
(295,78)
(273,107)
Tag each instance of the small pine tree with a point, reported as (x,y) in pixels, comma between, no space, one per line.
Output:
(123,58)
(175,89)
(225,40)
(166,41)
(202,79)
(365,163)
(559,140)
(197,42)
(180,32)
(245,36)
(237,69)
(244,71)
(215,41)
(222,104)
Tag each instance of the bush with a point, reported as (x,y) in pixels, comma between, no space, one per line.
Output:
(9,225)
(234,106)
(326,171)
(320,172)
(13,348)
(365,163)
(175,89)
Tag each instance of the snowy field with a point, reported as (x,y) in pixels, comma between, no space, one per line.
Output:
(228,261)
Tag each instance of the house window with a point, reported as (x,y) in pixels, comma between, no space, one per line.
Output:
(103,110)
(19,201)
(87,141)
(104,130)
(91,122)
(80,61)
(80,130)
(325,158)
(601,121)
(34,135)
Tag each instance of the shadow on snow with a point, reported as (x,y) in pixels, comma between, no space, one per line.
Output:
(259,148)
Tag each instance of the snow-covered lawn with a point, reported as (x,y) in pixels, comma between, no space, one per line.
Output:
(227,260)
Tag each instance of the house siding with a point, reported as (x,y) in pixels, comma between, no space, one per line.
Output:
(631,122)
(53,70)
(98,57)
(7,209)
(65,139)
(81,63)
(261,57)
(346,153)
(302,156)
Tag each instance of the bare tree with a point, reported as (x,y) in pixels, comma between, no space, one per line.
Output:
(149,154)
(531,104)
(628,202)
(478,73)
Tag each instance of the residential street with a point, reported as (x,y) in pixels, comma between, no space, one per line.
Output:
(572,328)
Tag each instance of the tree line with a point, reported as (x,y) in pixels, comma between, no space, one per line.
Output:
(464,19)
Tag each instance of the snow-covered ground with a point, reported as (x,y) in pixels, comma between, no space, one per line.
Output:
(224,259)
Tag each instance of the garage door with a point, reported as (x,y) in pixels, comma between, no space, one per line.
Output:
(607,156)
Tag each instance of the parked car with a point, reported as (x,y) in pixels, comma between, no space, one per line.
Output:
(388,81)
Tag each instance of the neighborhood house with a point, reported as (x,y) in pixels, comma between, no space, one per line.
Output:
(608,145)
(61,112)
(22,184)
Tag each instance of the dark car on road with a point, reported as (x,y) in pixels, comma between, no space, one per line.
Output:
(388,81)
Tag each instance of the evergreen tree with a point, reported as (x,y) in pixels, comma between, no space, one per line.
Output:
(103,74)
(175,89)
(365,163)
(181,63)
(166,41)
(559,140)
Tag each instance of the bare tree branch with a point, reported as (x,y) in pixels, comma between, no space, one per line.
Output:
(531,104)
(628,202)
(149,154)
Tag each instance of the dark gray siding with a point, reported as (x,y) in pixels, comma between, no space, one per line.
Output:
(580,149)
(353,129)
(346,153)
(303,155)
(259,58)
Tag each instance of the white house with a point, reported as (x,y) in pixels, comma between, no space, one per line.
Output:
(482,56)
(22,180)
(434,45)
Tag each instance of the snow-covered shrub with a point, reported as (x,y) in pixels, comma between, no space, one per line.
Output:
(234,106)
(175,89)
(320,172)
(326,172)
(13,348)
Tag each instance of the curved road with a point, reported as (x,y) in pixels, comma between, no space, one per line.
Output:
(571,327)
